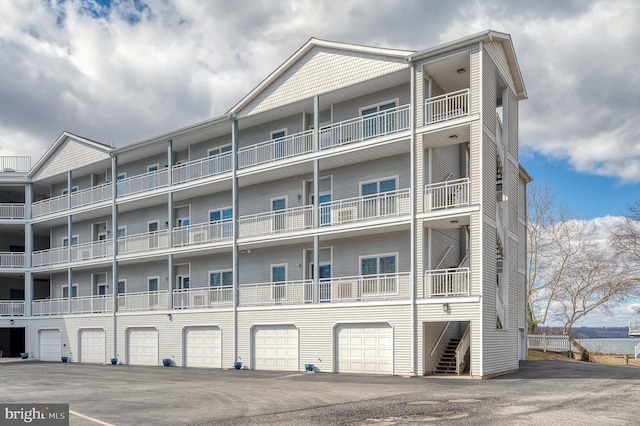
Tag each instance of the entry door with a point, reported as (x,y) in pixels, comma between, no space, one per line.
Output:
(278,206)
(182,282)
(325,208)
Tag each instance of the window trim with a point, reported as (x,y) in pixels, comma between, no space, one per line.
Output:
(377,257)
(220,149)
(220,271)
(124,227)
(377,181)
(74,188)
(284,130)
(66,286)
(150,166)
(157,222)
(286,203)
(378,105)
(220,210)
(77,238)
(124,280)
(157,278)
(277,265)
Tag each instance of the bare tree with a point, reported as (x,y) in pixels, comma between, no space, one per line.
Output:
(570,272)
(625,238)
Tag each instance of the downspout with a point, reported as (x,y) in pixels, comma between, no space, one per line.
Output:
(235,204)
(114,238)
(316,200)
(412,160)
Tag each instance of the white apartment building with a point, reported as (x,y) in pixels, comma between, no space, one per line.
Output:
(362,210)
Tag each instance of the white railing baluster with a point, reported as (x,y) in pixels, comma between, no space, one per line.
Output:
(446,107)
(11,211)
(276,149)
(448,194)
(204,297)
(446,282)
(279,221)
(201,168)
(15,163)
(202,233)
(360,209)
(143,301)
(142,183)
(147,241)
(11,308)
(11,260)
(50,307)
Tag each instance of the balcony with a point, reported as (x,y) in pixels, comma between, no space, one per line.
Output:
(203,298)
(76,253)
(446,107)
(15,164)
(145,242)
(366,288)
(143,183)
(202,168)
(93,195)
(46,307)
(11,260)
(50,205)
(366,127)
(276,149)
(11,211)
(274,222)
(143,301)
(276,293)
(445,195)
(202,233)
(11,308)
(92,304)
(446,282)
(366,208)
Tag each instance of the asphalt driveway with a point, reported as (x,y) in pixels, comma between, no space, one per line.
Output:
(542,392)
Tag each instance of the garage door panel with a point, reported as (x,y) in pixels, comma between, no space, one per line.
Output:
(364,348)
(275,348)
(143,346)
(203,347)
(92,346)
(49,344)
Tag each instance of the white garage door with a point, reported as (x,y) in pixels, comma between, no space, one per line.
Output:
(143,346)
(203,347)
(93,346)
(364,348)
(49,345)
(275,348)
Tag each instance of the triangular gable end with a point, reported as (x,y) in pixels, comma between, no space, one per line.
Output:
(322,67)
(68,153)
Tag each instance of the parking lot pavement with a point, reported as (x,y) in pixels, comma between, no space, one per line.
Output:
(542,392)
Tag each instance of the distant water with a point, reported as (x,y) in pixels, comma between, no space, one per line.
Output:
(610,346)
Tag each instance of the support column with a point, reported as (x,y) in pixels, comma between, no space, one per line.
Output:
(28,251)
(235,257)
(170,223)
(114,261)
(316,200)
(69,237)
(414,230)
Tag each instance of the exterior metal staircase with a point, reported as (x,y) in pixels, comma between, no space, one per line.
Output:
(447,363)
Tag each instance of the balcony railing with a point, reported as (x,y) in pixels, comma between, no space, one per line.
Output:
(368,126)
(446,282)
(142,183)
(202,233)
(366,208)
(92,250)
(202,298)
(201,168)
(446,107)
(50,307)
(50,205)
(143,301)
(276,293)
(52,256)
(92,304)
(288,220)
(11,260)
(11,308)
(11,211)
(276,149)
(148,241)
(93,195)
(365,287)
(445,195)
(15,164)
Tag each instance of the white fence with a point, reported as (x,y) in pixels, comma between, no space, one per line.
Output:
(143,301)
(549,343)
(142,183)
(287,220)
(11,260)
(446,107)
(368,126)
(276,149)
(202,233)
(11,308)
(201,298)
(148,241)
(448,194)
(365,287)
(92,304)
(50,205)
(446,282)
(275,293)
(93,195)
(201,168)
(50,307)
(359,209)
(11,211)
(15,164)
(52,256)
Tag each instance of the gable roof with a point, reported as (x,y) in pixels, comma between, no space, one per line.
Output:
(67,153)
(312,56)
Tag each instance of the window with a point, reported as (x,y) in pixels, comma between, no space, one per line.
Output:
(120,234)
(278,275)
(122,286)
(154,299)
(65,191)
(224,217)
(65,291)
(153,178)
(183,221)
(102,289)
(279,219)
(325,207)
(65,241)
(152,226)
(220,278)
(219,150)
(153,283)
(182,282)
(153,167)
(279,147)
(378,119)
(380,267)
(121,188)
(377,198)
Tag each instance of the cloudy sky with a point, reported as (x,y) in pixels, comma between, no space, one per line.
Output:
(123,71)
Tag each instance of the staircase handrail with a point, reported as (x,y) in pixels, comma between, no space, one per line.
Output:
(439,339)
(462,349)
(444,257)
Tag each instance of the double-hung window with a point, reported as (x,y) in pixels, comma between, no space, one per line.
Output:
(65,291)
(379,198)
(279,146)
(220,282)
(379,275)
(223,219)
(378,119)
